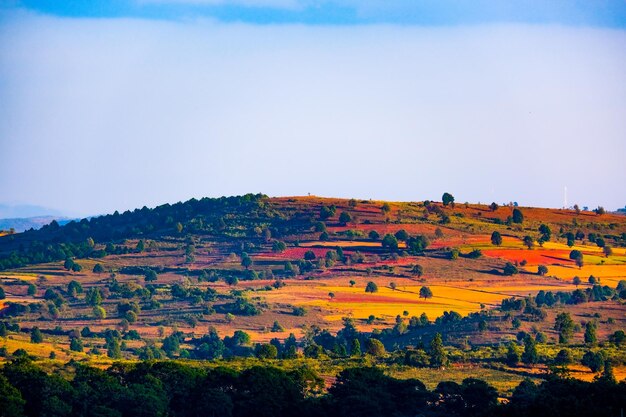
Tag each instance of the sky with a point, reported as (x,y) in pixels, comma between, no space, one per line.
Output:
(113,105)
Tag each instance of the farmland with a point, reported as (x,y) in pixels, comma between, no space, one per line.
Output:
(304,271)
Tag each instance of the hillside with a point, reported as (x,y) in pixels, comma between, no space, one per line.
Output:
(308,271)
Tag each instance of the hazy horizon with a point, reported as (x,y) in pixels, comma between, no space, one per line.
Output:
(120,110)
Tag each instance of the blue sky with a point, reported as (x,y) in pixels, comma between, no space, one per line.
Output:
(113,105)
(604,13)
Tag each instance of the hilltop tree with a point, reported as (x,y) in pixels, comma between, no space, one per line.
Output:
(447,199)
(565,326)
(371,287)
(496,238)
(493,206)
(385,208)
(518,217)
(425,293)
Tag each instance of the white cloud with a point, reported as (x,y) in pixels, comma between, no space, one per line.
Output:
(101,115)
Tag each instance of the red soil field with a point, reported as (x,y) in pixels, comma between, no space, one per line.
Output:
(533,257)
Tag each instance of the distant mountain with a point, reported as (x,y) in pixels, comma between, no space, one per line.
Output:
(23,224)
(23,211)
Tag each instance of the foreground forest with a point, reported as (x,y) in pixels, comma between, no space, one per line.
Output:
(323,295)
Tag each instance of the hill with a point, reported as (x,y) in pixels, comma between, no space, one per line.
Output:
(22,224)
(317,276)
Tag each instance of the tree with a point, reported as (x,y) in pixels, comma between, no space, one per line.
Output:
(35,335)
(418,270)
(278,246)
(141,246)
(542,270)
(493,206)
(246,261)
(76,345)
(529,356)
(99,313)
(150,275)
(98,268)
(2,294)
(352,282)
(447,199)
(76,267)
(565,326)
(390,242)
(31,290)
(590,333)
(385,208)
(545,231)
(371,287)
(437,354)
(11,401)
(309,255)
(331,295)
(425,292)
(345,218)
(496,238)
(374,235)
(576,281)
(529,242)
(401,235)
(608,251)
(593,360)
(575,254)
(266,351)
(355,349)
(375,347)
(563,357)
(510,269)
(518,217)
(392,285)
